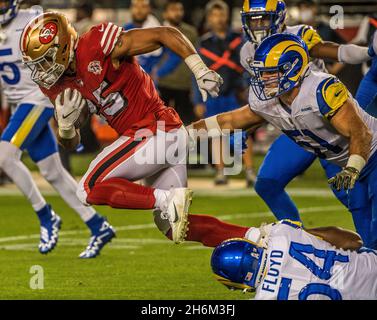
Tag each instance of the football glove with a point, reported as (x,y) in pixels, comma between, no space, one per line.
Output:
(209,82)
(345,179)
(68,111)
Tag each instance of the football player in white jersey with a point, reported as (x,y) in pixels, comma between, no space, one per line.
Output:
(29,129)
(285,160)
(283,261)
(317,112)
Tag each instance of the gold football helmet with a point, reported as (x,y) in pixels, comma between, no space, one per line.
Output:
(48,44)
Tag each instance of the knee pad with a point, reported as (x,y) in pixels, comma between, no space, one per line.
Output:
(8,153)
(267,187)
(162,224)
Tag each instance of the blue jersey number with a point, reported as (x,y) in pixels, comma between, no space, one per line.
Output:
(299,252)
(297,136)
(11,66)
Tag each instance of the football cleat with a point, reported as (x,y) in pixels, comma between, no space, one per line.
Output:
(98,240)
(49,233)
(177,212)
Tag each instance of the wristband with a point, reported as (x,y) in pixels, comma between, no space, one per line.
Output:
(356,161)
(67,134)
(196,64)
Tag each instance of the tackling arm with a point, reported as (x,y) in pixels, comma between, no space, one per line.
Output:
(243,118)
(338,237)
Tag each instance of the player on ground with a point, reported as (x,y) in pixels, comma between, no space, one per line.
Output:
(100,67)
(318,113)
(285,160)
(283,261)
(29,130)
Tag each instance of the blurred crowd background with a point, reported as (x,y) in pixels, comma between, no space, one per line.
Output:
(216,30)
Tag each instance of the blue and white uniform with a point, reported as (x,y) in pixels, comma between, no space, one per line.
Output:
(28,128)
(301,266)
(286,160)
(306,122)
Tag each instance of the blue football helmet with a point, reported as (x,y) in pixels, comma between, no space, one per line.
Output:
(9,11)
(262,18)
(279,64)
(239,264)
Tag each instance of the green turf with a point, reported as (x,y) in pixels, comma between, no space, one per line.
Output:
(139,264)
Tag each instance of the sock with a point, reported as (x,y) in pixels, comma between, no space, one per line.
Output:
(211,231)
(20,175)
(44,214)
(53,171)
(120,193)
(95,223)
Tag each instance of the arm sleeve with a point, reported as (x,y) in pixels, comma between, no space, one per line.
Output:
(331,96)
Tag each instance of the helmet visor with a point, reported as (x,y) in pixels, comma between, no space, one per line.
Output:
(259,25)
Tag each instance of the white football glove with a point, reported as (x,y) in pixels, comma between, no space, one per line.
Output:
(67,112)
(209,81)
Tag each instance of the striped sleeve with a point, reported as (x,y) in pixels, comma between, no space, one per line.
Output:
(109,34)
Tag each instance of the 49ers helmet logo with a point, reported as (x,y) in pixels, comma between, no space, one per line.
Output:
(48,32)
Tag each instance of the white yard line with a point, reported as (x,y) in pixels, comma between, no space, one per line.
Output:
(152,226)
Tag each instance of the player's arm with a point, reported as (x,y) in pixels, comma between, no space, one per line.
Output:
(338,237)
(347,53)
(348,123)
(69,106)
(141,41)
(243,118)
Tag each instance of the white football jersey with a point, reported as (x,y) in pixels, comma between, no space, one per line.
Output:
(301,266)
(306,121)
(16,83)
(308,34)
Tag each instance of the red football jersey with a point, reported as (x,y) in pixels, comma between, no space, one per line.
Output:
(126,97)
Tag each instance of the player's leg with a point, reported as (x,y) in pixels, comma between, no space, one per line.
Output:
(366,93)
(359,206)
(284,161)
(372,191)
(110,178)
(24,126)
(205,229)
(44,152)
(331,171)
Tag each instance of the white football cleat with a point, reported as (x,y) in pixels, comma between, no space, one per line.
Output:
(177,212)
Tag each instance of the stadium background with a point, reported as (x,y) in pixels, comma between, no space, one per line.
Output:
(140,263)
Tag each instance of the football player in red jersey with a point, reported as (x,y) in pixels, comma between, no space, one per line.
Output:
(98,71)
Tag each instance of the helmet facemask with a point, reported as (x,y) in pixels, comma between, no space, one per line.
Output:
(45,70)
(271,82)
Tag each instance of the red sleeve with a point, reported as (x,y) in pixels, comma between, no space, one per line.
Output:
(104,36)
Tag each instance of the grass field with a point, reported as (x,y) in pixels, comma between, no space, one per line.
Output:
(140,263)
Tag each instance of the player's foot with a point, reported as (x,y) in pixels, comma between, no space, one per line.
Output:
(49,232)
(177,212)
(220,178)
(98,240)
(250,178)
